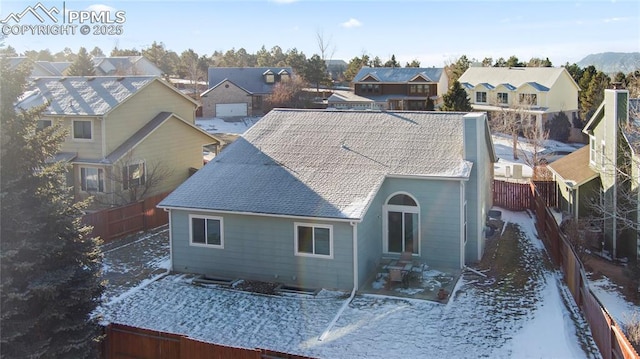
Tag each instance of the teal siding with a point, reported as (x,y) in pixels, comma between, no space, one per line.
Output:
(478,189)
(262,248)
(439,202)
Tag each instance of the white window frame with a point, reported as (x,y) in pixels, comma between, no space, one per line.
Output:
(506,98)
(100,174)
(73,132)
(43,123)
(313,226)
(386,208)
(603,155)
(125,179)
(592,150)
(480,96)
(205,218)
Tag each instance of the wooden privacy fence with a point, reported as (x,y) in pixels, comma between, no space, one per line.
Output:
(516,196)
(607,334)
(123,341)
(113,223)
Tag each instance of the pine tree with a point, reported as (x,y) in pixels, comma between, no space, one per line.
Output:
(49,267)
(82,66)
(456,99)
(431,106)
(315,72)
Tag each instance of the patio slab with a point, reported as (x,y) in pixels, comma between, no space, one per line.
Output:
(426,289)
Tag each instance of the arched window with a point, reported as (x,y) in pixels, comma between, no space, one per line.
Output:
(401,224)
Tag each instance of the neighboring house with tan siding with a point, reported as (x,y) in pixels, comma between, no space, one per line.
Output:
(536,94)
(128,137)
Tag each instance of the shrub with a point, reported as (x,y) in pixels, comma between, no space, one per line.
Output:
(559,127)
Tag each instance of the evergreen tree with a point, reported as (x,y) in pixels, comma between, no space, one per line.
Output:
(97,52)
(315,71)
(456,69)
(82,66)
(354,67)
(456,99)
(49,268)
(559,127)
(431,106)
(413,63)
(392,62)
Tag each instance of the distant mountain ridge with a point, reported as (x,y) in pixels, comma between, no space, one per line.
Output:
(612,62)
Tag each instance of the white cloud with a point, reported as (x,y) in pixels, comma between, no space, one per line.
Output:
(351,23)
(100,8)
(283,1)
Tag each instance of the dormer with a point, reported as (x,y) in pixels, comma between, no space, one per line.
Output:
(284,75)
(269,77)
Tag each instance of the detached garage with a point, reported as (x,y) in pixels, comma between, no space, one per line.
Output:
(231,109)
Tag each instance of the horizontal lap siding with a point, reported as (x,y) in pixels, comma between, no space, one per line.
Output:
(262,248)
(134,113)
(439,202)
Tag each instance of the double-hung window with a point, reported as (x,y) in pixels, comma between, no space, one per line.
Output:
(92,179)
(503,98)
(481,97)
(206,231)
(313,240)
(133,175)
(82,130)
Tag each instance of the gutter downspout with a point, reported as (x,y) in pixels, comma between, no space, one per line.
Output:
(324,334)
(170,242)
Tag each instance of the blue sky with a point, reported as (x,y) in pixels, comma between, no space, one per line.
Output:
(433,32)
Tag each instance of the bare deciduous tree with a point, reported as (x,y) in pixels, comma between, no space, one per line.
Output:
(132,180)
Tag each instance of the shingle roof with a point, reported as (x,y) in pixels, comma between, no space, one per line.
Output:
(82,96)
(324,163)
(399,74)
(54,68)
(248,78)
(514,76)
(574,167)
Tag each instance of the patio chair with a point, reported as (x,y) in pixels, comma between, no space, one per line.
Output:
(395,276)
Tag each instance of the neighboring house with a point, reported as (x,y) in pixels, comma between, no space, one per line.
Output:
(315,198)
(41,68)
(336,69)
(127,136)
(401,88)
(104,66)
(533,94)
(125,66)
(604,172)
(347,100)
(240,91)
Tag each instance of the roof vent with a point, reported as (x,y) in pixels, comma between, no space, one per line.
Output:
(90,78)
(63,79)
(120,79)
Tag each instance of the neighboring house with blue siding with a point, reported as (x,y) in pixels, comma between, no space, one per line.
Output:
(315,198)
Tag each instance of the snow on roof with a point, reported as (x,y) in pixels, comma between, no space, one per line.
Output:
(346,96)
(324,163)
(514,76)
(248,78)
(399,74)
(82,96)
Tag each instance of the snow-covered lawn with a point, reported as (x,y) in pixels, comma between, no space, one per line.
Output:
(218,125)
(610,296)
(504,150)
(480,320)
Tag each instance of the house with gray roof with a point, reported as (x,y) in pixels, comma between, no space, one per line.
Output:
(401,88)
(532,95)
(601,181)
(240,91)
(41,68)
(125,66)
(316,199)
(127,137)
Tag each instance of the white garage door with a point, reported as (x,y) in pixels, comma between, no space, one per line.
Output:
(231,109)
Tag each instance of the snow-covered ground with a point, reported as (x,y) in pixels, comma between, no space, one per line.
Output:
(478,321)
(218,125)
(609,295)
(504,150)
